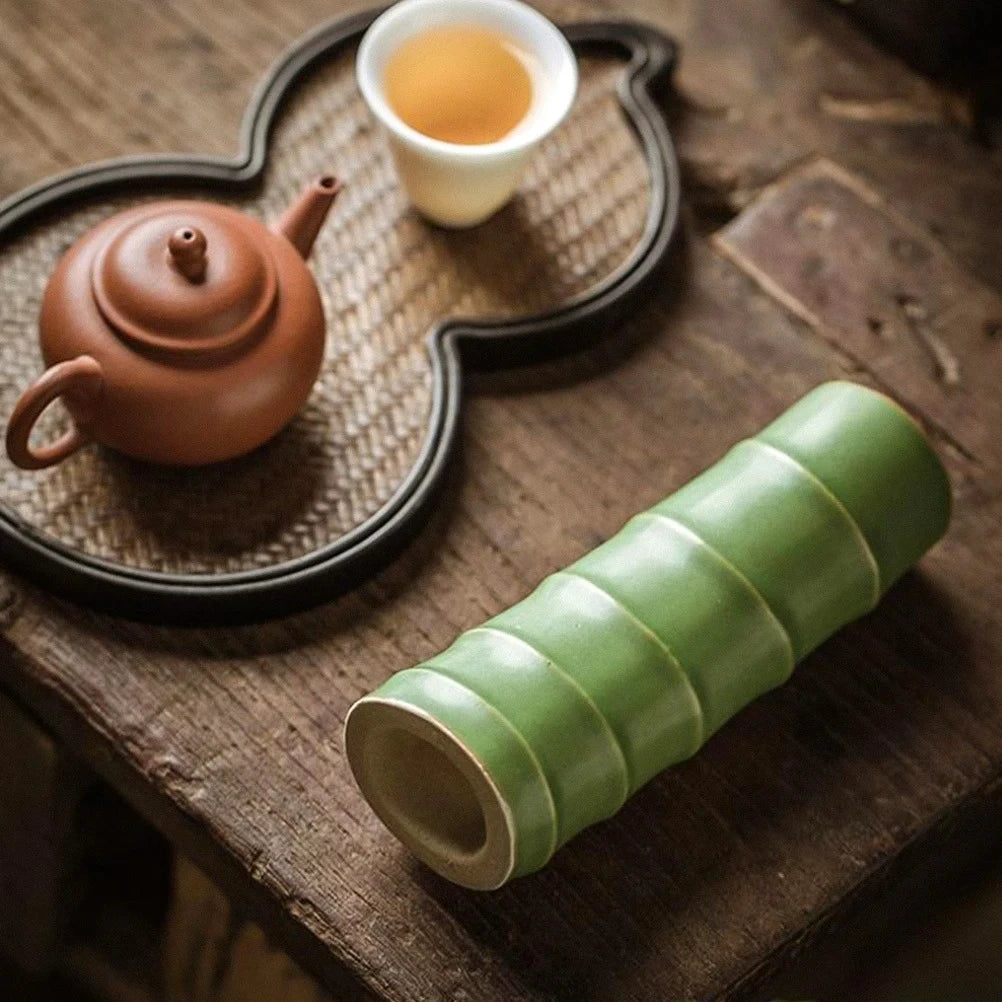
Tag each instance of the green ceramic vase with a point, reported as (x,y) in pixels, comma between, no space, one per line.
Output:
(489,756)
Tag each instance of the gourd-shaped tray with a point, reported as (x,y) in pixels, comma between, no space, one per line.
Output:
(340,491)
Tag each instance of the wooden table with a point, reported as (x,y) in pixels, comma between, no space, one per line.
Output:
(873,775)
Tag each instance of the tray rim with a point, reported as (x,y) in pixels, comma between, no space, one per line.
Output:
(258,594)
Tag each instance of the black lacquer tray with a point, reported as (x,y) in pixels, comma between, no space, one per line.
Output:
(337,494)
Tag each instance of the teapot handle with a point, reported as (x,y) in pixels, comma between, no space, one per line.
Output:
(81,381)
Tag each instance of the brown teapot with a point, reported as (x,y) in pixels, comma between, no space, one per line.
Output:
(180,332)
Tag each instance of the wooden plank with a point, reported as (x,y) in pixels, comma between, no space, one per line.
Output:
(862,938)
(930,34)
(724,857)
(718,871)
(952,954)
(769,85)
(884,292)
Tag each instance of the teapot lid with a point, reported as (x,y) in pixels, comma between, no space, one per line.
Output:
(186,277)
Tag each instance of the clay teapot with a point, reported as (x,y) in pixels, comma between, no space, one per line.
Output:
(180,332)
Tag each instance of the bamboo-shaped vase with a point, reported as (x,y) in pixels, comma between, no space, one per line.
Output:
(489,756)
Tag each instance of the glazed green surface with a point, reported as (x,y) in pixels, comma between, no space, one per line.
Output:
(874,458)
(702,610)
(629,659)
(657,717)
(786,535)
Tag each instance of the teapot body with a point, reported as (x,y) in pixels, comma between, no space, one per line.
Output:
(186,408)
(179,332)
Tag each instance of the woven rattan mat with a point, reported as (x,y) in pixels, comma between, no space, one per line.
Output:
(385,277)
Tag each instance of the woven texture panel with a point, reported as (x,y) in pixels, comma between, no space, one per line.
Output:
(385,278)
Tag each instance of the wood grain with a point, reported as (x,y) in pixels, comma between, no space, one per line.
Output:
(720,870)
(883,293)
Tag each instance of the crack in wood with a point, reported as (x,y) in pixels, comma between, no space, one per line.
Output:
(948,110)
(920,324)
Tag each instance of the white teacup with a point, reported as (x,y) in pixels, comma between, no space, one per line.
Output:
(449,183)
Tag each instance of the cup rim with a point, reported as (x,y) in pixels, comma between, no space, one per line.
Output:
(514,142)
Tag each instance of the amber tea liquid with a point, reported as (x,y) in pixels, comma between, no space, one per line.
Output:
(461,84)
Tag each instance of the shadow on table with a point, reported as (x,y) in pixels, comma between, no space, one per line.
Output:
(204,517)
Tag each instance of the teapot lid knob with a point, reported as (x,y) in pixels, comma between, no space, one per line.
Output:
(187,252)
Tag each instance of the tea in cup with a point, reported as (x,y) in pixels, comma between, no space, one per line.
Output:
(466,89)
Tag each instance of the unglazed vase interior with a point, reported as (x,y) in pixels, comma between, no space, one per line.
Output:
(427,794)
(431,792)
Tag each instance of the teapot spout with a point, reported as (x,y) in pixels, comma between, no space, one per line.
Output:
(302,220)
